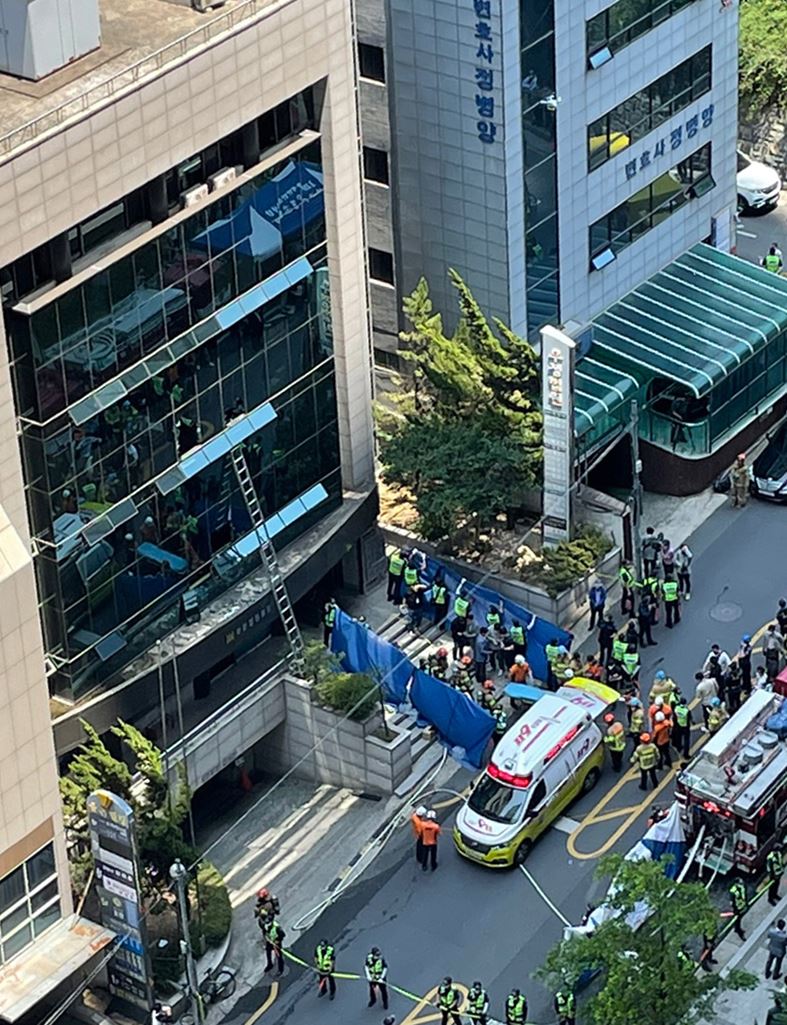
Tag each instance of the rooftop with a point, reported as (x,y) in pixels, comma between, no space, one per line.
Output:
(138,37)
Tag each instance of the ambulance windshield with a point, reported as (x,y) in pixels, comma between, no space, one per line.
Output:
(497,801)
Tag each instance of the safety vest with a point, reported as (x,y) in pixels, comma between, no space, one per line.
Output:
(682,715)
(647,755)
(461,605)
(626,576)
(772,262)
(330,615)
(715,719)
(637,721)
(516,1009)
(619,649)
(395,565)
(775,864)
(670,589)
(447,998)
(738,897)
(517,634)
(631,662)
(650,584)
(324,957)
(615,741)
(566,1005)
(551,651)
(410,576)
(273,932)
(477,1002)
(440,595)
(501,721)
(376,967)
(493,618)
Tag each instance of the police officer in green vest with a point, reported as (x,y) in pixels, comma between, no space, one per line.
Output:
(516,1008)
(440,599)
(631,663)
(627,583)
(565,1007)
(461,605)
(477,1004)
(775,865)
(681,727)
(376,971)
(274,942)
(448,1000)
(552,654)
(325,963)
(329,621)
(411,576)
(519,637)
(493,617)
(772,261)
(669,589)
(739,906)
(619,648)
(395,571)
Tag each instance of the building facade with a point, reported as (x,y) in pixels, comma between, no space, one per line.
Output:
(183,272)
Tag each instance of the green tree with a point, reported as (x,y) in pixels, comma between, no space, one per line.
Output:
(763,55)
(645,978)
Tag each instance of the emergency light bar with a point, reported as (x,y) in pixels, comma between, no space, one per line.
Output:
(520,782)
(561,744)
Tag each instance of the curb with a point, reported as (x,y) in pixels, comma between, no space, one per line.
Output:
(755,937)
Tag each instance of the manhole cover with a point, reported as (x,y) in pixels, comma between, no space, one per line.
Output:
(726,612)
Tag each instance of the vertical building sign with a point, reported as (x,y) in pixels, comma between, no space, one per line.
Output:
(324,321)
(487,68)
(557,382)
(114,849)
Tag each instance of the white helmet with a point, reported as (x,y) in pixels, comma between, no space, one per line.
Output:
(659,700)
(431,814)
(659,717)
(520,660)
(420,811)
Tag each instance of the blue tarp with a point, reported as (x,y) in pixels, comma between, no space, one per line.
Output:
(456,717)
(365,652)
(539,631)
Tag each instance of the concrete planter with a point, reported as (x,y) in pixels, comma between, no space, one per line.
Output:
(566,609)
(330,749)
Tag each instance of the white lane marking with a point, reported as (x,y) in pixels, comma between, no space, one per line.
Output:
(746,234)
(565,824)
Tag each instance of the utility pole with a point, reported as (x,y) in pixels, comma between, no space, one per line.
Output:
(178,875)
(636,491)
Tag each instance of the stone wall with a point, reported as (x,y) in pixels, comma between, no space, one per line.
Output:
(766,138)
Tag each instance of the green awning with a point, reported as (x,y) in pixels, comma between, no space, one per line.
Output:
(599,390)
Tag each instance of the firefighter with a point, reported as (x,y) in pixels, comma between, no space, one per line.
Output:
(636,720)
(615,740)
(486,697)
(448,1002)
(681,729)
(501,724)
(775,865)
(739,906)
(646,757)
(717,715)
(267,907)
(516,1008)
(274,942)
(565,1007)
(477,1004)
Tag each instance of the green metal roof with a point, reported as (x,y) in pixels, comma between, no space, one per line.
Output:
(693,323)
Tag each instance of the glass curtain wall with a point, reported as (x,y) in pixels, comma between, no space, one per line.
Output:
(537,21)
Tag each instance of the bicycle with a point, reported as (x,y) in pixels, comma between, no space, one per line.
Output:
(219,984)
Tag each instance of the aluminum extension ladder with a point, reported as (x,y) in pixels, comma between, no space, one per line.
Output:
(280,593)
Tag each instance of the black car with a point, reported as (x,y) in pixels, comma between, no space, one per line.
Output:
(769,471)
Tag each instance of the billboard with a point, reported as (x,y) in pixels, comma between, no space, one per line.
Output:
(557,382)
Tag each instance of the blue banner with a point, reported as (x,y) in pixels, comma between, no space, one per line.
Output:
(364,652)
(456,717)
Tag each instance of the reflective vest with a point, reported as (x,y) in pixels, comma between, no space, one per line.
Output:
(517,634)
(330,615)
(273,933)
(551,651)
(626,576)
(619,649)
(477,1002)
(324,958)
(516,1009)
(565,1004)
(376,967)
(616,741)
(682,715)
(395,565)
(447,998)
(411,576)
(493,618)
(715,719)
(650,584)
(670,590)
(440,595)
(647,756)
(775,864)
(738,897)
(501,721)
(461,605)
(637,721)
(772,262)
(631,662)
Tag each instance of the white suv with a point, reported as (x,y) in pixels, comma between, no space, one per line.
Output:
(758,185)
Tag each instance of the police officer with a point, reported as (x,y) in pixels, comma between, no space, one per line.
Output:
(681,726)
(775,865)
(669,589)
(565,1007)
(440,600)
(552,654)
(627,583)
(519,637)
(739,906)
(644,620)
(395,571)
(328,621)
(376,972)
(646,756)
(619,647)
(477,1004)
(772,261)
(461,605)
(448,1000)
(411,575)
(274,942)
(631,664)
(516,1008)
(325,963)
(493,617)
(615,741)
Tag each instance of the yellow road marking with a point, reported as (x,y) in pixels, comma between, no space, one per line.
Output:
(269,999)
(415,1017)
(615,814)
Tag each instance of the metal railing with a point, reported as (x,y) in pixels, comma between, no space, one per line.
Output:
(132,74)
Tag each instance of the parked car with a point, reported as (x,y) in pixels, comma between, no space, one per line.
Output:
(769,470)
(759,186)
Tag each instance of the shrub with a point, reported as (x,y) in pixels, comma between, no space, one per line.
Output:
(353,693)
(215,910)
(568,561)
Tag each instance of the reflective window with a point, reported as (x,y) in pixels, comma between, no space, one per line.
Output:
(29,902)
(626,21)
(649,108)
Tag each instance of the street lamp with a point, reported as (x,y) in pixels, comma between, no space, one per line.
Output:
(178,874)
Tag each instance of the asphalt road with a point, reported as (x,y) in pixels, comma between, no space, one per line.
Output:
(471,922)
(757,231)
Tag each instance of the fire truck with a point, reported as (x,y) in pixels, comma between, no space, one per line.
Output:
(733,793)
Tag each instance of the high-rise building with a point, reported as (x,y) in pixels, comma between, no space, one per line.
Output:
(182,271)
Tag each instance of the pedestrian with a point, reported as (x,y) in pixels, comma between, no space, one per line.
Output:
(667,558)
(627,585)
(645,620)
(705,691)
(722,658)
(565,1007)
(458,627)
(651,549)
(744,661)
(775,866)
(739,477)
(683,560)
(396,564)
(761,681)
(632,634)
(772,260)
(325,963)
(606,634)
(376,971)
(516,1008)
(733,687)
(773,649)
(448,1000)
(777,947)
(646,757)
(440,599)
(781,616)
(681,729)
(615,741)
(482,648)
(662,731)
(597,599)
(329,621)
(274,943)
(417,820)
(477,1006)
(519,637)
(430,831)
(739,904)
(669,589)
(520,671)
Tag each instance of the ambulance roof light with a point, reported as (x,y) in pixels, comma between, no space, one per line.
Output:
(514,780)
(561,744)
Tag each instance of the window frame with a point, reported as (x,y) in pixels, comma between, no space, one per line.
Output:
(370,50)
(375,254)
(657,13)
(31,912)
(374,153)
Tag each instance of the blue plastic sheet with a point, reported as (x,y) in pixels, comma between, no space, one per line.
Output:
(364,652)
(456,717)
(539,631)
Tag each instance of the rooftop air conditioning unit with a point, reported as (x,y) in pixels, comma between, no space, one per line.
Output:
(206,5)
(194,196)
(222,177)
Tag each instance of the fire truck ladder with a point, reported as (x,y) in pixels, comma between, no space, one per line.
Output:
(280,593)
